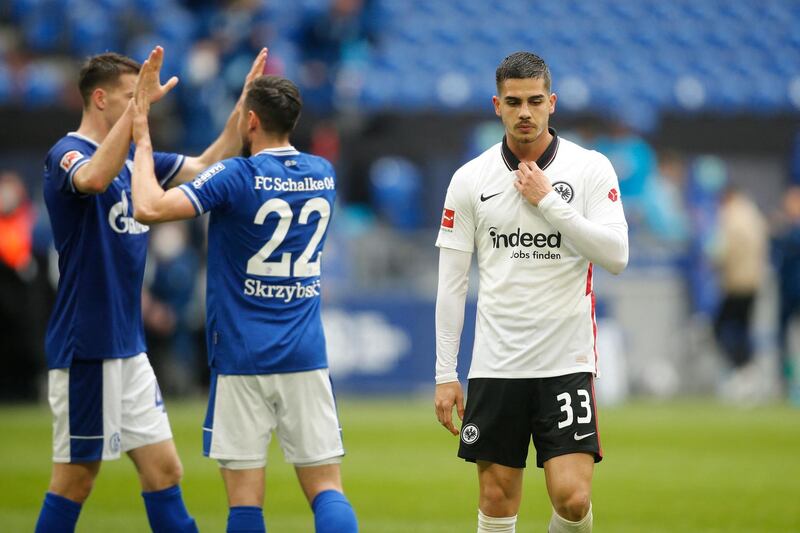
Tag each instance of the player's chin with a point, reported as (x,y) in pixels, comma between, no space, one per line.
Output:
(526,137)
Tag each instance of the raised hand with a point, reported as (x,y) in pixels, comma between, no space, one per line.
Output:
(256,70)
(142,98)
(152,76)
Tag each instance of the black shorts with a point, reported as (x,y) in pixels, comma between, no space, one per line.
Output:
(502,415)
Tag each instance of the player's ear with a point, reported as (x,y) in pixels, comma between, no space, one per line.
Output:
(99,98)
(496,102)
(252,121)
(553,98)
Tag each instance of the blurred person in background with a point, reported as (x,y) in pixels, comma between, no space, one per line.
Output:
(174,266)
(663,202)
(270,213)
(330,42)
(19,317)
(786,247)
(634,160)
(741,257)
(541,211)
(102,390)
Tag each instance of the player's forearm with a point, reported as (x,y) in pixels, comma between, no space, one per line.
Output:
(145,189)
(603,244)
(450,299)
(107,161)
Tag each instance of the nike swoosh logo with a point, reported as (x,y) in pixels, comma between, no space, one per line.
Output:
(581,437)
(484,198)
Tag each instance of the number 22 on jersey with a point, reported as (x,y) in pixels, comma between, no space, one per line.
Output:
(283,268)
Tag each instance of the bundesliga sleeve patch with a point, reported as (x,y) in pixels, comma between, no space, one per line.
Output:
(69,160)
(613,195)
(448,218)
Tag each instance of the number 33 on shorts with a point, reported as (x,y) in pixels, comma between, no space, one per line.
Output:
(584,408)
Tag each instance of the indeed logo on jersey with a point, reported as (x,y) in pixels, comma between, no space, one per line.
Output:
(269,183)
(121,222)
(287,293)
(520,239)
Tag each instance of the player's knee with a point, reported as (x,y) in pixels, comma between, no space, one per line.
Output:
(75,487)
(495,500)
(172,472)
(573,505)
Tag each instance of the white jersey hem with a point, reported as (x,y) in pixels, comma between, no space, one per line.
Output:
(532,374)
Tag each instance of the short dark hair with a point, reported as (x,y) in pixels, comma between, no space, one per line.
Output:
(522,65)
(276,102)
(104,69)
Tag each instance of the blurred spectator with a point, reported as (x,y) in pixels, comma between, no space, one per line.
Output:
(663,200)
(741,257)
(171,291)
(635,162)
(787,266)
(21,313)
(332,44)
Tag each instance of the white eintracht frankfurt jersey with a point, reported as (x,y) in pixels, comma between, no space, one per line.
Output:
(535,303)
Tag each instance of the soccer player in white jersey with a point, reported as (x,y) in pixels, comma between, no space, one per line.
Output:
(269,214)
(540,211)
(102,390)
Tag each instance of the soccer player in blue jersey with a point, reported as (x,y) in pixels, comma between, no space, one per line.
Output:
(102,390)
(266,347)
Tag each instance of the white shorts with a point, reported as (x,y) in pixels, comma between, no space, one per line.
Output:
(104,407)
(243,410)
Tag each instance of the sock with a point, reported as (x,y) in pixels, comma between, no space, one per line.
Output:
(333,513)
(166,511)
(562,525)
(58,514)
(503,524)
(246,519)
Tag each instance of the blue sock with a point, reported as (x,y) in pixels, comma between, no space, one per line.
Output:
(58,514)
(333,513)
(167,513)
(246,519)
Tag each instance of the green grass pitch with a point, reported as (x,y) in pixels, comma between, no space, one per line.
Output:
(691,466)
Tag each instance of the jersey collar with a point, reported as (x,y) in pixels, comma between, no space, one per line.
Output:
(283,150)
(547,157)
(83,138)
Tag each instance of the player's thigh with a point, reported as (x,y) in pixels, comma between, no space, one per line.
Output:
(244,486)
(565,418)
(144,418)
(241,417)
(500,489)
(569,483)
(496,426)
(158,465)
(308,424)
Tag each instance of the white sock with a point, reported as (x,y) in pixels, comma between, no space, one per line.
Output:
(562,525)
(488,524)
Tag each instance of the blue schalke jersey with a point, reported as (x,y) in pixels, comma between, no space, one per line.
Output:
(269,220)
(101,256)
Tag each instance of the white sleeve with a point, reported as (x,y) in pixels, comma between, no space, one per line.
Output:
(602,235)
(450,299)
(457,230)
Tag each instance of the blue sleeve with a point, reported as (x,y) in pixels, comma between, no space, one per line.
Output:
(64,161)
(215,187)
(167,166)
